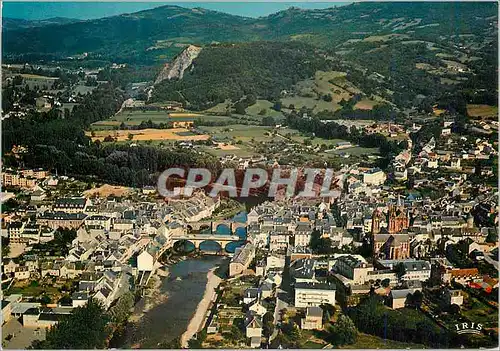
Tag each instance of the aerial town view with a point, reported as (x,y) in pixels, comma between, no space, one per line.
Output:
(232,175)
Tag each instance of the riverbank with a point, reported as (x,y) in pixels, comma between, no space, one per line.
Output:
(195,324)
(168,304)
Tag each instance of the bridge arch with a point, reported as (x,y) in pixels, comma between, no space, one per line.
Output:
(210,246)
(222,229)
(232,246)
(241,232)
(184,245)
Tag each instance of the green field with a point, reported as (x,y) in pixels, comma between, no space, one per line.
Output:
(309,102)
(82,89)
(334,83)
(220,108)
(296,136)
(479,312)
(33,290)
(358,151)
(240,132)
(366,341)
(260,105)
(136,117)
(312,345)
(242,151)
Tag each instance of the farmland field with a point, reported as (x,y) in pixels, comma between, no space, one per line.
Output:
(133,118)
(298,137)
(240,132)
(179,134)
(36,76)
(365,104)
(261,105)
(311,92)
(358,151)
(310,103)
(482,111)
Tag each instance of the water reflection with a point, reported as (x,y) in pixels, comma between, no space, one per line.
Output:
(184,289)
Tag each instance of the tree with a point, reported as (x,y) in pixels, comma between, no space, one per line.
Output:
(417,299)
(343,332)
(263,112)
(385,283)
(85,328)
(121,310)
(66,300)
(45,299)
(268,324)
(268,121)
(5,247)
(328,312)
(400,270)
(240,108)
(17,80)
(454,309)
(320,245)
(130,136)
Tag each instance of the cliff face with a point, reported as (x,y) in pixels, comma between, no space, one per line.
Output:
(175,69)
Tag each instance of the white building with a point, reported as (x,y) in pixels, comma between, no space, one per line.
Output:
(145,261)
(314,294)
(374,176)
(415,269)
(353,267)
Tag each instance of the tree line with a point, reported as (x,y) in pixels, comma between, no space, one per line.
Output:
(57,142)
(333,130)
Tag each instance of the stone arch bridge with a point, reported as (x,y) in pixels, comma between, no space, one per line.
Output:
(214,225)
(198,239)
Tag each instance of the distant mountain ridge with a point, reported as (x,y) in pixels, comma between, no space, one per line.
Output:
(129,34)
(9,23)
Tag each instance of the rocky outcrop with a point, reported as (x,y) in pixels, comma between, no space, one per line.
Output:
(175,69)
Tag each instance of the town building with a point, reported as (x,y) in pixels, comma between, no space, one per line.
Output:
(313,319)
(314,294)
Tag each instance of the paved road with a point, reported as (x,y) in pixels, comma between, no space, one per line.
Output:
(490,260)
(280,304)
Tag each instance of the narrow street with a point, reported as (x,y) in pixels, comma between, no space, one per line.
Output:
(283,297)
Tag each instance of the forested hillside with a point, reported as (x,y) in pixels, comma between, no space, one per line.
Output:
(409,55)
(231,71)
(129,34)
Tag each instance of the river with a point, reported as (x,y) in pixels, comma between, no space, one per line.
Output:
(168,320)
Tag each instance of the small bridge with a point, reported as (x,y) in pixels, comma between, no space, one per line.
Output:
(198,239)
(229,225)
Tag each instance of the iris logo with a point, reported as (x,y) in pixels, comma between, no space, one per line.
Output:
(468,328)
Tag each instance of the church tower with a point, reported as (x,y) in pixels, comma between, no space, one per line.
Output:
(398,217)
(376,217)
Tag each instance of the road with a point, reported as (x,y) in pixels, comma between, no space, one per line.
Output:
(280,304)
(490,260)
(282,296)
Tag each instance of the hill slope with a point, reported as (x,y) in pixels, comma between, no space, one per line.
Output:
(230,71)
(139,31)
(128,32)
(18,23)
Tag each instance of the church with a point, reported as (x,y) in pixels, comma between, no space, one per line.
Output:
(389,243)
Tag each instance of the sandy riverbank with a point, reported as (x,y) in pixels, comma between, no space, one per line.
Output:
(199,316)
